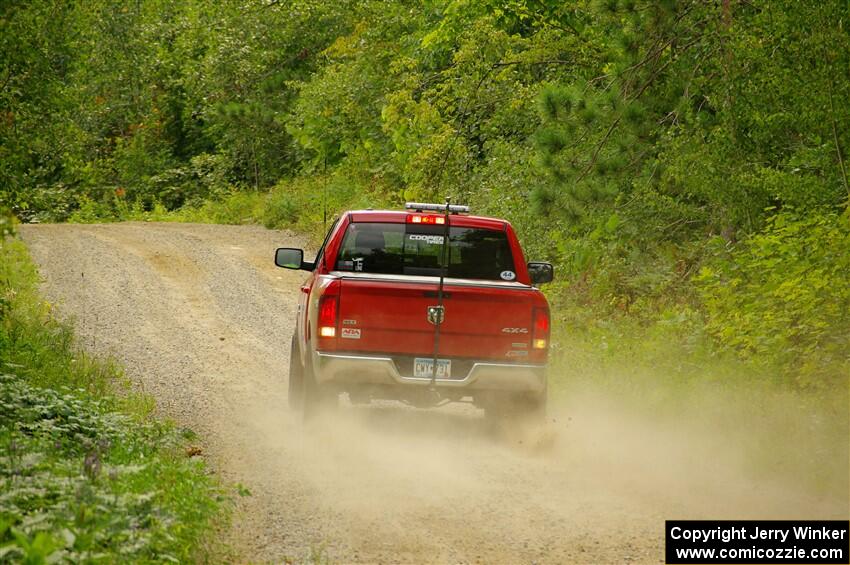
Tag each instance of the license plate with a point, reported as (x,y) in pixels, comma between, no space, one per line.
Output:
(424,367)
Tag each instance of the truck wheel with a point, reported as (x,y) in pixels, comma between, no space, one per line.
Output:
(296,377)
(318,399)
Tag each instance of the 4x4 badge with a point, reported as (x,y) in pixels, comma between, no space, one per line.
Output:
(436,314)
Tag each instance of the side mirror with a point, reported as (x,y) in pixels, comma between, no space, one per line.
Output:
(541,272)
(290,258)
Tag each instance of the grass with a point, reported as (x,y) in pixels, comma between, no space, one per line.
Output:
(86,472)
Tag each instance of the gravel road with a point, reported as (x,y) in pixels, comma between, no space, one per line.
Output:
(202,319)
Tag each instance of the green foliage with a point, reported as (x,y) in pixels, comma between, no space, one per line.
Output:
(80,481)
(784,295)
(703,115)
(281,210)
(189,185)
(85,473)
(7,224)
(235,207)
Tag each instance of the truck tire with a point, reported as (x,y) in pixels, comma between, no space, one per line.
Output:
(296,377)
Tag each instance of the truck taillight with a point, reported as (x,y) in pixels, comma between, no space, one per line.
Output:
(540,334)
(327,315)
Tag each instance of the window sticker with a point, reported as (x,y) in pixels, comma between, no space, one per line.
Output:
(432,239)
(507,275)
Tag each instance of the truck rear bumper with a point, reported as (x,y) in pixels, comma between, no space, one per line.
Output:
(343,369)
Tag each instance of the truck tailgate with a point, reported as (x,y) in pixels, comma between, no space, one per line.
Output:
(388,314)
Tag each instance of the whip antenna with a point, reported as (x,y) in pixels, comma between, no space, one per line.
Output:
(441,311)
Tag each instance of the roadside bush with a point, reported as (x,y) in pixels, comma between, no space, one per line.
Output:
(82,482)
(52,203)
(7,223)
(309,204)
(136,161)
(782,294)
(91,211)
(281,210)
(190,185)
(233,208)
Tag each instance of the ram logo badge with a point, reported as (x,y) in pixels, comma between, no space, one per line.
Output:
(436,314)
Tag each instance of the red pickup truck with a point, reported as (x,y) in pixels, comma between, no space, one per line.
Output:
(392,294)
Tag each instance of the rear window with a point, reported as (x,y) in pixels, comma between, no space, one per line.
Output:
(408,249)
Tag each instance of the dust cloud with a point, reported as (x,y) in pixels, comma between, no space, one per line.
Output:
(594,484)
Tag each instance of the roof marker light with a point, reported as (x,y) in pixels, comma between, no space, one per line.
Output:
(425,207)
